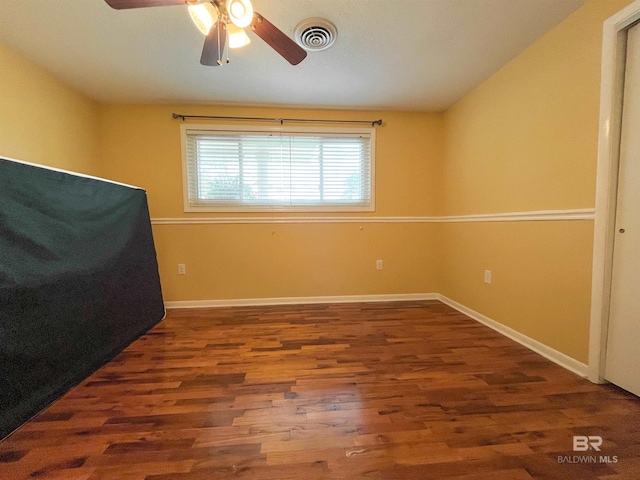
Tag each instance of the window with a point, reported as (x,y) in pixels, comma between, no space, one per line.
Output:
(287,169)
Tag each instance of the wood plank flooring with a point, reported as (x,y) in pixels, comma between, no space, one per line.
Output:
(405,390)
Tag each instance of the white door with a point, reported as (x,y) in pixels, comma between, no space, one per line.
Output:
(623,340)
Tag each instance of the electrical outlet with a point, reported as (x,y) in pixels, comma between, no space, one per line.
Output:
(378,264)
(487,276)
(182,270)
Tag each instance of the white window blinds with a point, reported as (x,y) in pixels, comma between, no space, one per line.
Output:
(288,170)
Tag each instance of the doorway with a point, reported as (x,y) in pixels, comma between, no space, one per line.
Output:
(612,317)
(622,356)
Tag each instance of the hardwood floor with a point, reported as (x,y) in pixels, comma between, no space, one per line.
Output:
(407,390)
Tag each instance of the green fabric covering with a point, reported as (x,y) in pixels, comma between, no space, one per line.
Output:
(78,282)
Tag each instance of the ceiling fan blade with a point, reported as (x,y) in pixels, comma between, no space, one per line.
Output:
(267,31)
(123,4)
(213,50)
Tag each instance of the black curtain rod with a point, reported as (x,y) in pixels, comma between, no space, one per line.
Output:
(281,120)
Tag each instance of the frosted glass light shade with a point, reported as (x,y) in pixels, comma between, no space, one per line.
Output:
(240,12)
(204,15)
(237,36)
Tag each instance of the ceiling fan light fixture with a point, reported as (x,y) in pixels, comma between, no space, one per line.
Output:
(237,36)
(204,16)
(240,12)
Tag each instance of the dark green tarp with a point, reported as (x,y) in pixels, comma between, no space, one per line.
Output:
(78,282)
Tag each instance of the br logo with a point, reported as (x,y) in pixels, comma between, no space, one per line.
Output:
(582,443)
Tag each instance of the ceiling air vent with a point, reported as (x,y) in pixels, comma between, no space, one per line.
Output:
(314,34)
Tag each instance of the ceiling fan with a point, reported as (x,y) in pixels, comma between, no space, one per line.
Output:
(223,23)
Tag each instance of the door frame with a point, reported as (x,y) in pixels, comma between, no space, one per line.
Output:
(614,43)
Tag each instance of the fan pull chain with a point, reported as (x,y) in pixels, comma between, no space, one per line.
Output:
(219,59)
(226,32)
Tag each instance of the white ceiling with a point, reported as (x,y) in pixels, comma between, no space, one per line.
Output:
(390,54)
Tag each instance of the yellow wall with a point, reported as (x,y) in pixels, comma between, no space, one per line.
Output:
(44,121)
(526,139)
(541,277)
(141,146)
(296,260)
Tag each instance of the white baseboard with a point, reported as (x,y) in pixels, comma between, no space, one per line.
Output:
(246,302)
(555,356)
